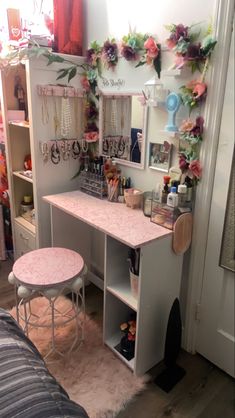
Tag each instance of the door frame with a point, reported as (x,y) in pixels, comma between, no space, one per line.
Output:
(223,25)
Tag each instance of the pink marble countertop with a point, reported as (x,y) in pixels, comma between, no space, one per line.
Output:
(127,225)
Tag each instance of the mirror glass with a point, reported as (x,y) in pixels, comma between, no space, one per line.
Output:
(122,127)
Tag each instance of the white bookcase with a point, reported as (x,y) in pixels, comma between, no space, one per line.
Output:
(159,285)
(24,138)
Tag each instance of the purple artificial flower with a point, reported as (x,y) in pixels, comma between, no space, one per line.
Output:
(91,127)
(129,53)
(91,111)
(181,32)
(90,54)
(110,53)
(198,127)
(193,52)
(183,164)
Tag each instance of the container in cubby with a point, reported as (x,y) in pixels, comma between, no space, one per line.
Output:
(163,214)
(93,184)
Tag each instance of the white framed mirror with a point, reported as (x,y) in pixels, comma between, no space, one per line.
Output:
(122,127)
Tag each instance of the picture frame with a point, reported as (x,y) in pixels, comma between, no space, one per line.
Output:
(160,156)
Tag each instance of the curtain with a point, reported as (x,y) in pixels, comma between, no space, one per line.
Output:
(68,26)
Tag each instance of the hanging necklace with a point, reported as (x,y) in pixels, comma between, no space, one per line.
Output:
(45,112)
(56,119)
(66,119)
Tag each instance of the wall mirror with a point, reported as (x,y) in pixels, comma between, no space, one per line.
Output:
(122,128)
(160,156)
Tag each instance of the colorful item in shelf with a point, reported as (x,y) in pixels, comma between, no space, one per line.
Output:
(19,93)
(172,105)
(26,208)
(28,162)
(127,343)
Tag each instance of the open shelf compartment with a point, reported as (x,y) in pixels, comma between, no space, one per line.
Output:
(117,272)
(116,312)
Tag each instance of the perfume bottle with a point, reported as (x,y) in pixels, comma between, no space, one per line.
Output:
(166,190)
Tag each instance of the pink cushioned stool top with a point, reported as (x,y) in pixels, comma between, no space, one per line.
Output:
(48,267)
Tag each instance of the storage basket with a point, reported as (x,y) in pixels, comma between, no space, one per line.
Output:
(133,198)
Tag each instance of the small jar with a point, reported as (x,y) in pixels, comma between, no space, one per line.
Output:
(147,208)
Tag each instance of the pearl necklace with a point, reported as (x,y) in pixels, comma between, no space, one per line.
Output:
(66,119)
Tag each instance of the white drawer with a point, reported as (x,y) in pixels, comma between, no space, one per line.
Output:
(25,241)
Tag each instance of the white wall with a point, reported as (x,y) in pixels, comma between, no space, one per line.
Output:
(112,18)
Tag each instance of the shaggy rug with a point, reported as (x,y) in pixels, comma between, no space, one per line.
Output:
(91,374)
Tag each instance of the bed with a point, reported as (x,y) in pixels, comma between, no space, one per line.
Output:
(27,389)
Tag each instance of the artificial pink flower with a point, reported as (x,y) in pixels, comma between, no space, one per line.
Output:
(195,168)
(187,125)
(85,83)
(171,43)
(198,88)
(91,136)
(152,48)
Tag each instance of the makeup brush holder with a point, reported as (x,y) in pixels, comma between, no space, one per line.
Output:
(134,281)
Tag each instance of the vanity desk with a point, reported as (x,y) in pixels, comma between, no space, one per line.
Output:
(74,216)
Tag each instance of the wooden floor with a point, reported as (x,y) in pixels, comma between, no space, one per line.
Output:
(204,392)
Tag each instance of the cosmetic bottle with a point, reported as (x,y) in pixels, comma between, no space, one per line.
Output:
(182,195)
(172,198)
(165,190)
(188,182)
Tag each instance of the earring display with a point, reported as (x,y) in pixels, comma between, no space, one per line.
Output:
(44,151)
(55,153)
(76,149)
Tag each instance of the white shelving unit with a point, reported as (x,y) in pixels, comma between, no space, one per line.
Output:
(159,285)
(24,137)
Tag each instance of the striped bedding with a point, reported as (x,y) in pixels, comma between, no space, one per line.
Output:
(27,389)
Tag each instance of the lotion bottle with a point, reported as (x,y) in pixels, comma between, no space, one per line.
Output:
(172,198)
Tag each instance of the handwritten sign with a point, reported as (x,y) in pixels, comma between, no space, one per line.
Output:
(116,84)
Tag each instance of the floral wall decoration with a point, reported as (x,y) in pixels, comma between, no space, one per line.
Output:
(189,49)
(194,53)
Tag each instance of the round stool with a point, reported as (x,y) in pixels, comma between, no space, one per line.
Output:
(50,272)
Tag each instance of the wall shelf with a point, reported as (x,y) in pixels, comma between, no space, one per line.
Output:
(21,124)
(123,292)
(22,176)
(27,225)
(112,342)
(171,73)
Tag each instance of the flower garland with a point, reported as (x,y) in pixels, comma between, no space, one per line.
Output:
(191,133)
(184,41)
(134,47)
(193,94)
(189,51)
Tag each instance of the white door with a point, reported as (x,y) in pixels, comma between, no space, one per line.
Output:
(216,329)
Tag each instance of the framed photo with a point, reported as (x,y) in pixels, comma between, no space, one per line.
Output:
(160,156)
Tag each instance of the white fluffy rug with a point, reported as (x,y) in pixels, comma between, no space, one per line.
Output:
(92,375)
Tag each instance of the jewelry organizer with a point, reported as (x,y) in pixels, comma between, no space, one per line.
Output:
(93,184)
(67,141)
